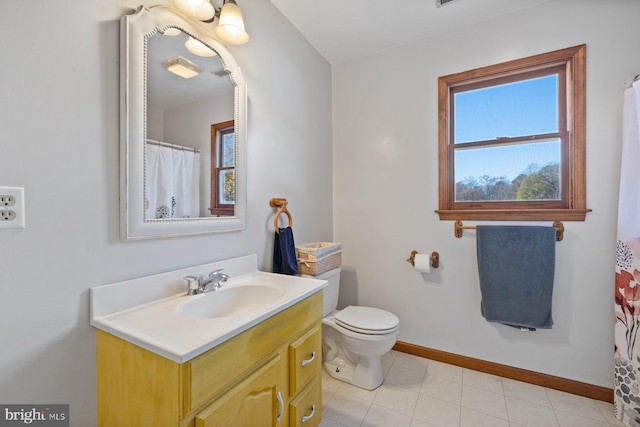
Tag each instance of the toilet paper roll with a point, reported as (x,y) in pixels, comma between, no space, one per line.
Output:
(422,263)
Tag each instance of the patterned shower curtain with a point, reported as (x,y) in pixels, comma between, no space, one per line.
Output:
(627,293)
(172,183)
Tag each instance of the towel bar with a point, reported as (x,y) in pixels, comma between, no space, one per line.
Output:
(458,227)
(282,205)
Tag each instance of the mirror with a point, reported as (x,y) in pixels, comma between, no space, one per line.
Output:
(183,136)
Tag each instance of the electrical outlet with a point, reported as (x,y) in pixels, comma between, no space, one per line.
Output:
(12,212)
(7,200)
(7,215)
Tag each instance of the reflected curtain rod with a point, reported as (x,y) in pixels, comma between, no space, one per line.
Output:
(173,146)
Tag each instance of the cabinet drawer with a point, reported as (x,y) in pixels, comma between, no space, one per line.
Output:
(305,356)
(306,409)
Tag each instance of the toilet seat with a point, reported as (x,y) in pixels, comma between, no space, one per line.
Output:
(367,320)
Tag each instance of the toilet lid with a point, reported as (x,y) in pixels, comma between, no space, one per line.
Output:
(367,320)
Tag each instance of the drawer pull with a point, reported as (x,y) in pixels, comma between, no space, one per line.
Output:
(281,402)
(309,360)
(308,417)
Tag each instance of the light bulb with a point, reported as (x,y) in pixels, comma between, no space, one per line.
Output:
(201,10)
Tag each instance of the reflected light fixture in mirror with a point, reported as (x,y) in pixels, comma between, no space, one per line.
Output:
(172,32)
(198,48)
(182,67)
(230,28)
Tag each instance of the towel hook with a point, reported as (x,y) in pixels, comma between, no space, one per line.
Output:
(280,203)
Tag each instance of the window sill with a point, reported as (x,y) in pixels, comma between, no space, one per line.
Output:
(514,214)
(222,212)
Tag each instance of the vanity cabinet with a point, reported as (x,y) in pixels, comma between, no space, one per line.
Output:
(268,375)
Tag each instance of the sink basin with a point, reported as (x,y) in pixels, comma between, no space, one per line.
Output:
(154,313)
(231,301)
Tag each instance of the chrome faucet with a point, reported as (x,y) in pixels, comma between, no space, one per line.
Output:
(199,284)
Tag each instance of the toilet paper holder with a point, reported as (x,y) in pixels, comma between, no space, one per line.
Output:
(435,259)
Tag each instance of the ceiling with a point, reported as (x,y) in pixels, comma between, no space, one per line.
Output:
(345,30)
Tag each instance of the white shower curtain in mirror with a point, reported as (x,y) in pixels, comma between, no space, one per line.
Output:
(172,184)
(627,293)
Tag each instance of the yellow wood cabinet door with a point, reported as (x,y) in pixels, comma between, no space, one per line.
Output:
(256,401)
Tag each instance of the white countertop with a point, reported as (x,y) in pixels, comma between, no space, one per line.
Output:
(145,311)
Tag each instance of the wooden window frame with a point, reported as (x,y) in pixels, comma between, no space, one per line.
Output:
(217,208)
(573,204)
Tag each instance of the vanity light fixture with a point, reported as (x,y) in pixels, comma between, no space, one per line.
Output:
(230,27)
(181,67)
(201,10)
(198,48)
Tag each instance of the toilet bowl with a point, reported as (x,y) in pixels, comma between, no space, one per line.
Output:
(355,338)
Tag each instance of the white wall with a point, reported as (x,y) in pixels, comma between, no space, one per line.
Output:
(190,124)
(60,130)
(385,189)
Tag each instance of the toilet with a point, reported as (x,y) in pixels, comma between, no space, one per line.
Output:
(355,338)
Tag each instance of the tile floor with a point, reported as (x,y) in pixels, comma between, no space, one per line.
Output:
(418,392)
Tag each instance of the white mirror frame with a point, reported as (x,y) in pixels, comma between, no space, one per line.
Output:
(135,28)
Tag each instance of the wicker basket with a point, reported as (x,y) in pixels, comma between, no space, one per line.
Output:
(316,258)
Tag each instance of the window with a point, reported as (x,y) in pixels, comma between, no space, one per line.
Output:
(223,171)
(512,140)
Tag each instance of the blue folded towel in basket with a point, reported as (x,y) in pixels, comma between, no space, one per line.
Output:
(516,265)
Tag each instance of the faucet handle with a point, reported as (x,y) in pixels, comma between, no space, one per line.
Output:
(194,284)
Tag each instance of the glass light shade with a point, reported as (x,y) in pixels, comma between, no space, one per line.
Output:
(198,48)
(201,10)
(230,28)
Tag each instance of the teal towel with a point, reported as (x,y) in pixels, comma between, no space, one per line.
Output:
(516,265)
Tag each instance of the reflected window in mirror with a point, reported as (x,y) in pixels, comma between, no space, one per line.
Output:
(223,161)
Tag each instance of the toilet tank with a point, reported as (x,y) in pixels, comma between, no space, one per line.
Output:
(330,293)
